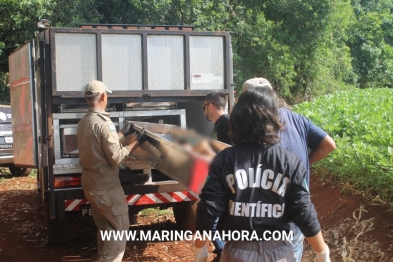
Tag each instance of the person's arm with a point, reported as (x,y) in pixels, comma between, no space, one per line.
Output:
(114,151)
(142,137)
(319,245)
(324,148)
(127,130)
(317,242)
(319,142)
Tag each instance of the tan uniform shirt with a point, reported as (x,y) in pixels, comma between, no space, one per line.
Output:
(100,152)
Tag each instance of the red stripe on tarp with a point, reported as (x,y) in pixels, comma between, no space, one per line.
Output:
(198,175)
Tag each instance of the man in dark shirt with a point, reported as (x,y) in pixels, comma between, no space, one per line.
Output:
(258,186)
(299,136)
(214,110)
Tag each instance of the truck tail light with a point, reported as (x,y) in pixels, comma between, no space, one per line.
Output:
(67,181)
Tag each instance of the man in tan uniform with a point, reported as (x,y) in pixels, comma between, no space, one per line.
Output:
(100,154)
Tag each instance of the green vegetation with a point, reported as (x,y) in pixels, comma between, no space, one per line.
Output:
(361,123)
(155,211)
(305,48)
(33,173)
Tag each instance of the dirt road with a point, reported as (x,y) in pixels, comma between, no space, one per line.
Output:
(366,226)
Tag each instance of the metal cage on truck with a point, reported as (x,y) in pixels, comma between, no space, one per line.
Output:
(158,74)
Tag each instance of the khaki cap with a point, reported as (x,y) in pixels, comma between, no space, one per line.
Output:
(256,82)
(95,88)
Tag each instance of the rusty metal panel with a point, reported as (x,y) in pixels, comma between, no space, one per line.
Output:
(23,124)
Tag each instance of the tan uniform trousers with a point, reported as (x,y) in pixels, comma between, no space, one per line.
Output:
(110,212)
(263,251)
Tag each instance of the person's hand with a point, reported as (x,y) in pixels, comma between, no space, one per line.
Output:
(142,137)
(324,255)
(128,129)
(129,140)
(201,254)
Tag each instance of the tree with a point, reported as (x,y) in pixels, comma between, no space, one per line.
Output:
(371,43)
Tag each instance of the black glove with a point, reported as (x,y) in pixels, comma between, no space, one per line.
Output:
(142,137)
(128,129)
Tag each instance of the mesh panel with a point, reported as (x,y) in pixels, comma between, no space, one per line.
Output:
(122,62)
(207,62)
(166,62)
(76,61)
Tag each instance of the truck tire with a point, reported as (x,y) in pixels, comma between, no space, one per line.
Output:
(185,215)
(58,230)
(19,171)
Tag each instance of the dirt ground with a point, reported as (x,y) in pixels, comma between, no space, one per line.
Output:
(356,229)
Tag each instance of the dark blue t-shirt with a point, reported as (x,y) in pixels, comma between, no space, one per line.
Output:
(299,135)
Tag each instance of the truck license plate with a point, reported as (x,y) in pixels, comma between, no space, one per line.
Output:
(8,139)
(86,210)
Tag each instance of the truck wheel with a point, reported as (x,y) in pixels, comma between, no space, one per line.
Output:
(19,171)
(185,215)
(58,230)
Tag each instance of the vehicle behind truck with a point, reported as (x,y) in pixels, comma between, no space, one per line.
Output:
(6,142)
(158,74)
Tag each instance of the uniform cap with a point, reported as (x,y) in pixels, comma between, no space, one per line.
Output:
(95,88)
(256,82)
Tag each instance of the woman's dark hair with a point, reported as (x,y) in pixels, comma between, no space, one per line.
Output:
(254,118)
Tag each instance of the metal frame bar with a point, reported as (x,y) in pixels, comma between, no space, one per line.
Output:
(187,65)
(125,26)
(99,56)
(120,115)
(46,110)
(145,69)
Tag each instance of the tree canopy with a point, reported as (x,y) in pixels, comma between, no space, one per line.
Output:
(305,48)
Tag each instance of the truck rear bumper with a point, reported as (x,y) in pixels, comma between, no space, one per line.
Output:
(164,192)
(6,160)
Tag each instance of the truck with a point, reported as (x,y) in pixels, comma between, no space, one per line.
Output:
(159,74)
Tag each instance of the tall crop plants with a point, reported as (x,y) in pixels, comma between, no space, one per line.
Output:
(361,123)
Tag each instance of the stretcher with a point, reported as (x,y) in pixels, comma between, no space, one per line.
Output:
(181,154)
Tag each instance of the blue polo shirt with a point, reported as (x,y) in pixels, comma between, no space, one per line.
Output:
(299,135)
